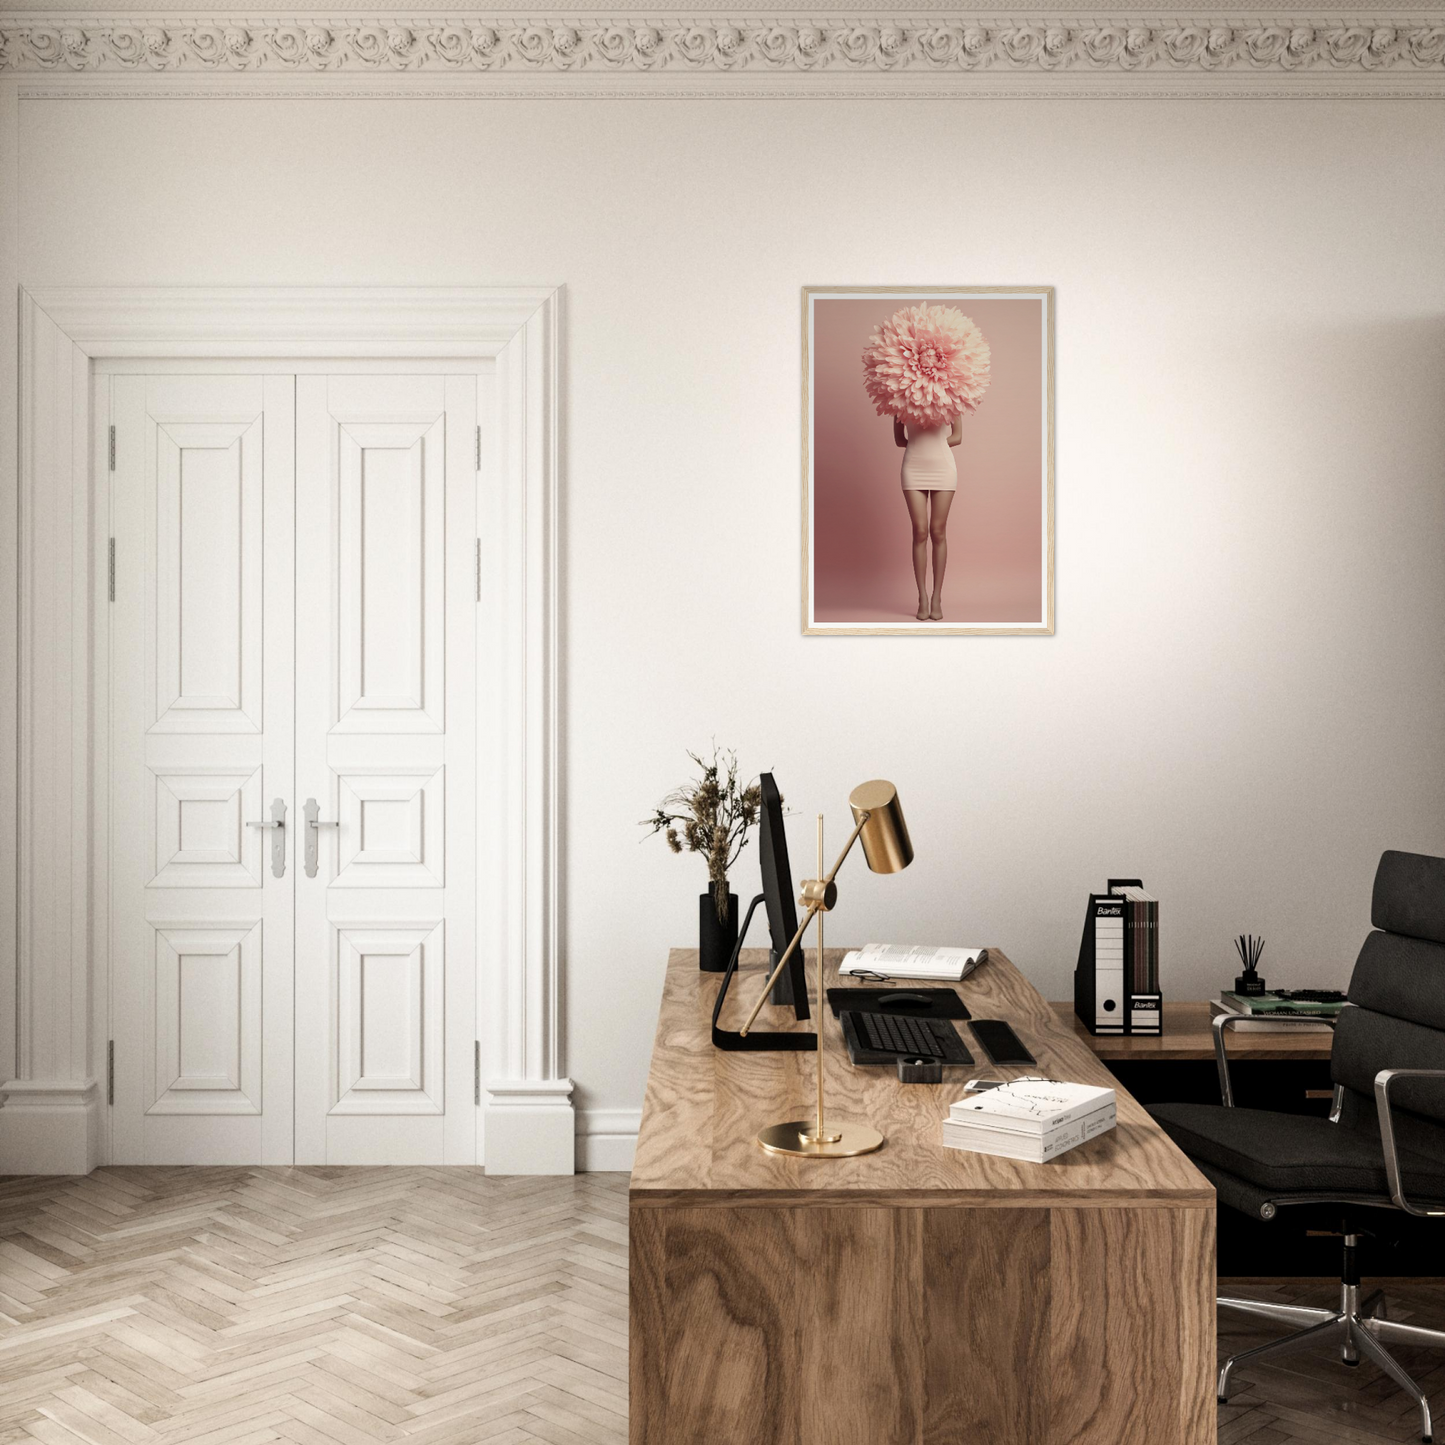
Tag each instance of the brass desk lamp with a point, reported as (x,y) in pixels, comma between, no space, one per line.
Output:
(878,821)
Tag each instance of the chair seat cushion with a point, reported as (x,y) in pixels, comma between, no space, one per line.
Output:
(1292,1153)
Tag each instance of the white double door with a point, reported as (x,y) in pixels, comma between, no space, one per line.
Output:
(292,642)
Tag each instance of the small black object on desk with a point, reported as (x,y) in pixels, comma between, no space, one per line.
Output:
(921,1003)
(1249,948)
(920,1071)
(1000,1042)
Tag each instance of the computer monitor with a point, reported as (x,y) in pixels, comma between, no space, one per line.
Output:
(791,987)
(777,897)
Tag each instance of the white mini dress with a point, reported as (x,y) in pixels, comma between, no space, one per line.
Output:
(928,464)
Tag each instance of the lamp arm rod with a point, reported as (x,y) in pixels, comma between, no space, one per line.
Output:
(813,908)
(773,977)
(848,847)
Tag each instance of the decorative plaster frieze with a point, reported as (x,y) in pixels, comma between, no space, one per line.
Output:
(876,46)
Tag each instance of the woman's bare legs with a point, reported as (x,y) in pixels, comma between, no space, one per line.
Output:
(918,515)
(938,531)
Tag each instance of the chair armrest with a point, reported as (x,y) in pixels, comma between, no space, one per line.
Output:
(1383,1080)
(1222,1022)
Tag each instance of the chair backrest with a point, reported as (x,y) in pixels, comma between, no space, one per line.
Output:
(1398,993)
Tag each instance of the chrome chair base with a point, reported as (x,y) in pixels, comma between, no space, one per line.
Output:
(1359,1327)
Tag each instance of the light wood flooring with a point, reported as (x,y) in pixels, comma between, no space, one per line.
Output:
(319,1306)
(426,1306)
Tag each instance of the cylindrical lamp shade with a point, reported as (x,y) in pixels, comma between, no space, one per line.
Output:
(885,840)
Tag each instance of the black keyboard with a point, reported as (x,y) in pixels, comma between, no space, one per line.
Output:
(902,1037)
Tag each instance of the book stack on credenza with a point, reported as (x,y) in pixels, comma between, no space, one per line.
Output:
(1271,1012)
(1116,985)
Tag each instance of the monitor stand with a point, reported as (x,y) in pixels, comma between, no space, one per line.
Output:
(758,1040)
(782,993)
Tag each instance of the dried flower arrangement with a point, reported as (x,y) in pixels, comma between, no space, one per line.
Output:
(710,816)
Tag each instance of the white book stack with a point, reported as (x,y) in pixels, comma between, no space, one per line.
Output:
(1031,1119)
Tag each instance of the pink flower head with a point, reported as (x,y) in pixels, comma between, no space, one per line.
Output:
(926,365)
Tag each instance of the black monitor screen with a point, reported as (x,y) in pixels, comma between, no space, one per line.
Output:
(778,894)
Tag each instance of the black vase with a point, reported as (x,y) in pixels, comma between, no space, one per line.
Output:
(715,940)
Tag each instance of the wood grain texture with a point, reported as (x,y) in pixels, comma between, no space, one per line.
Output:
(857,1281)
(704,1107)
(732,1328)
(646,1289)
(1132,1325)
(1188,1036)
(986,1302)
(856,1325)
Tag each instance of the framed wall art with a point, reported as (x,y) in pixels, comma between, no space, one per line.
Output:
(928,459)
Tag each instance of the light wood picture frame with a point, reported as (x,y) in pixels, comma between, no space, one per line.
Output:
(991,351)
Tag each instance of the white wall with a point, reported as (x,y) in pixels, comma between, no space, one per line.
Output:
(1243,703)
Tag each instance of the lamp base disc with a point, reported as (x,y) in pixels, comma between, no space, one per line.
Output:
(790,1138)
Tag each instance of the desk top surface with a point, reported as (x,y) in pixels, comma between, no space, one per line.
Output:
(1188,1036)
(704,1108)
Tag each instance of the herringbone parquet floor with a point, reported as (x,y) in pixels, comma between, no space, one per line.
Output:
(1312,1398)
(429,1307)
(318,1306)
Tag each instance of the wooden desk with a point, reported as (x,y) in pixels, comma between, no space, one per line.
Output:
(1188,1036)
(919,1295)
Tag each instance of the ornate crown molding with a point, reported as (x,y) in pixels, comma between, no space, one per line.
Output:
(880,46)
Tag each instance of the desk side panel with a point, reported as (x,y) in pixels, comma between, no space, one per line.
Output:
(868,1326)
(1132,1326)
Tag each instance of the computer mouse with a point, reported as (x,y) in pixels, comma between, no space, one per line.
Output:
(902,999)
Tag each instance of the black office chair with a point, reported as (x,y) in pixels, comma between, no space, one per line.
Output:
(1383,1146)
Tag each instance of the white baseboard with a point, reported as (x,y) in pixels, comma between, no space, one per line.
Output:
(49,1126)
(607,1139)
(531,1127)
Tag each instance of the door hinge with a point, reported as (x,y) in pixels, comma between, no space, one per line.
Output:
(477,1072)
(112,448)
(479,446)
(110,569)
(110,1072)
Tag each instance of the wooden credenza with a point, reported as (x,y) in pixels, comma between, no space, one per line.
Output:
(918,1295)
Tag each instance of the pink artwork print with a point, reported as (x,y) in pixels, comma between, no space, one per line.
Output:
(928,460)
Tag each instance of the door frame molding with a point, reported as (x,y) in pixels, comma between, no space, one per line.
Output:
(54,989)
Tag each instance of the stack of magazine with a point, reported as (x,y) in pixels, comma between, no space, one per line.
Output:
(1031,1119)
(1271,1012)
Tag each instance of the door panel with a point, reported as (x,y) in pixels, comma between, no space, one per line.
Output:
(201,743)
(390,574)
(385,675)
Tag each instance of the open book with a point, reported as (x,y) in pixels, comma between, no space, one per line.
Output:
(902,960)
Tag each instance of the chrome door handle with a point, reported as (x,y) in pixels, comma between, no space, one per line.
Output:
(314,825)
(278,842)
